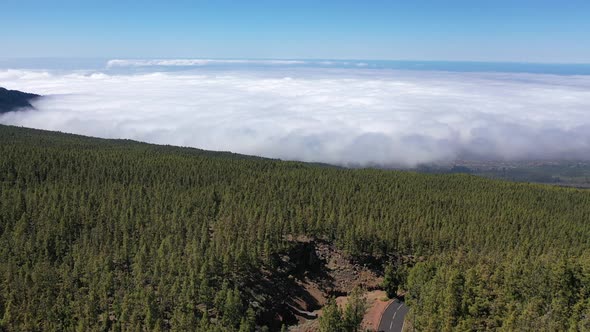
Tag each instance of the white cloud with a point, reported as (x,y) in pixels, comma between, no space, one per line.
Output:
(195,62)
(344,116)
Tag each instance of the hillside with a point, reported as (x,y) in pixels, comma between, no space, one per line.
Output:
(12,100)
(567,173)
(118,235)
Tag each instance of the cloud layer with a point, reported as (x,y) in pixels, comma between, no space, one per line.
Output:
(341,116)
(195,62)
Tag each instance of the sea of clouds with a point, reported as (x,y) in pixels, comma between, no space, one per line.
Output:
(349,116)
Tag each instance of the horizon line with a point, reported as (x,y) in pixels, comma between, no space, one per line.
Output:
(295,59)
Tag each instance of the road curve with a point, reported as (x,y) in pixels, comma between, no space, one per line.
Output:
(392,319)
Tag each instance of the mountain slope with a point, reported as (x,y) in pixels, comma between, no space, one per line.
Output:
(12,100)
(118,235)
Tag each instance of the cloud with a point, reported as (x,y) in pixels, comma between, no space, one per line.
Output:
(341,116)
(196,62)
(118,63)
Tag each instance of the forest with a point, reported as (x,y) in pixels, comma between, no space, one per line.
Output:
(117,235)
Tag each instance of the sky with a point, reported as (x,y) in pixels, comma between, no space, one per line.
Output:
(452,30)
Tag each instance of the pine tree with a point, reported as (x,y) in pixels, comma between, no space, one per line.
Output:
(331,318)
(390,281)
(354,311)
(248,322)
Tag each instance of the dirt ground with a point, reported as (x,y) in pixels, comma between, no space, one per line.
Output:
(324,272)
(377,302)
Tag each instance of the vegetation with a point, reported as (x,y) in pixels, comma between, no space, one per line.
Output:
(119,235)
(564,173)
(331,319)
(354,311)
(557,172)
(334,319)
(391,280)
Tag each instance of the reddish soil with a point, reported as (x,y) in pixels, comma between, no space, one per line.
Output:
(377,305)
(327,272)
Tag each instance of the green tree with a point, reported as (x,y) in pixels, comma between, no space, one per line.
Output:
(355,309)
(248,322)
(331,318)
(390,281)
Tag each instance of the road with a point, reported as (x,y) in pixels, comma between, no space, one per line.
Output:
(392,319)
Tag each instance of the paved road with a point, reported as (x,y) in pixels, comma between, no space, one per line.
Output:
(392,319)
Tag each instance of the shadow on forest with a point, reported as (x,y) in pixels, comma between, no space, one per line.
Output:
(300,281)
(295,287)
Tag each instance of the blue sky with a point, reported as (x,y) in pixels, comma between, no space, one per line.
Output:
(519,31)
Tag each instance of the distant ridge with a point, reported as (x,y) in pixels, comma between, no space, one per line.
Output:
(12,100)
